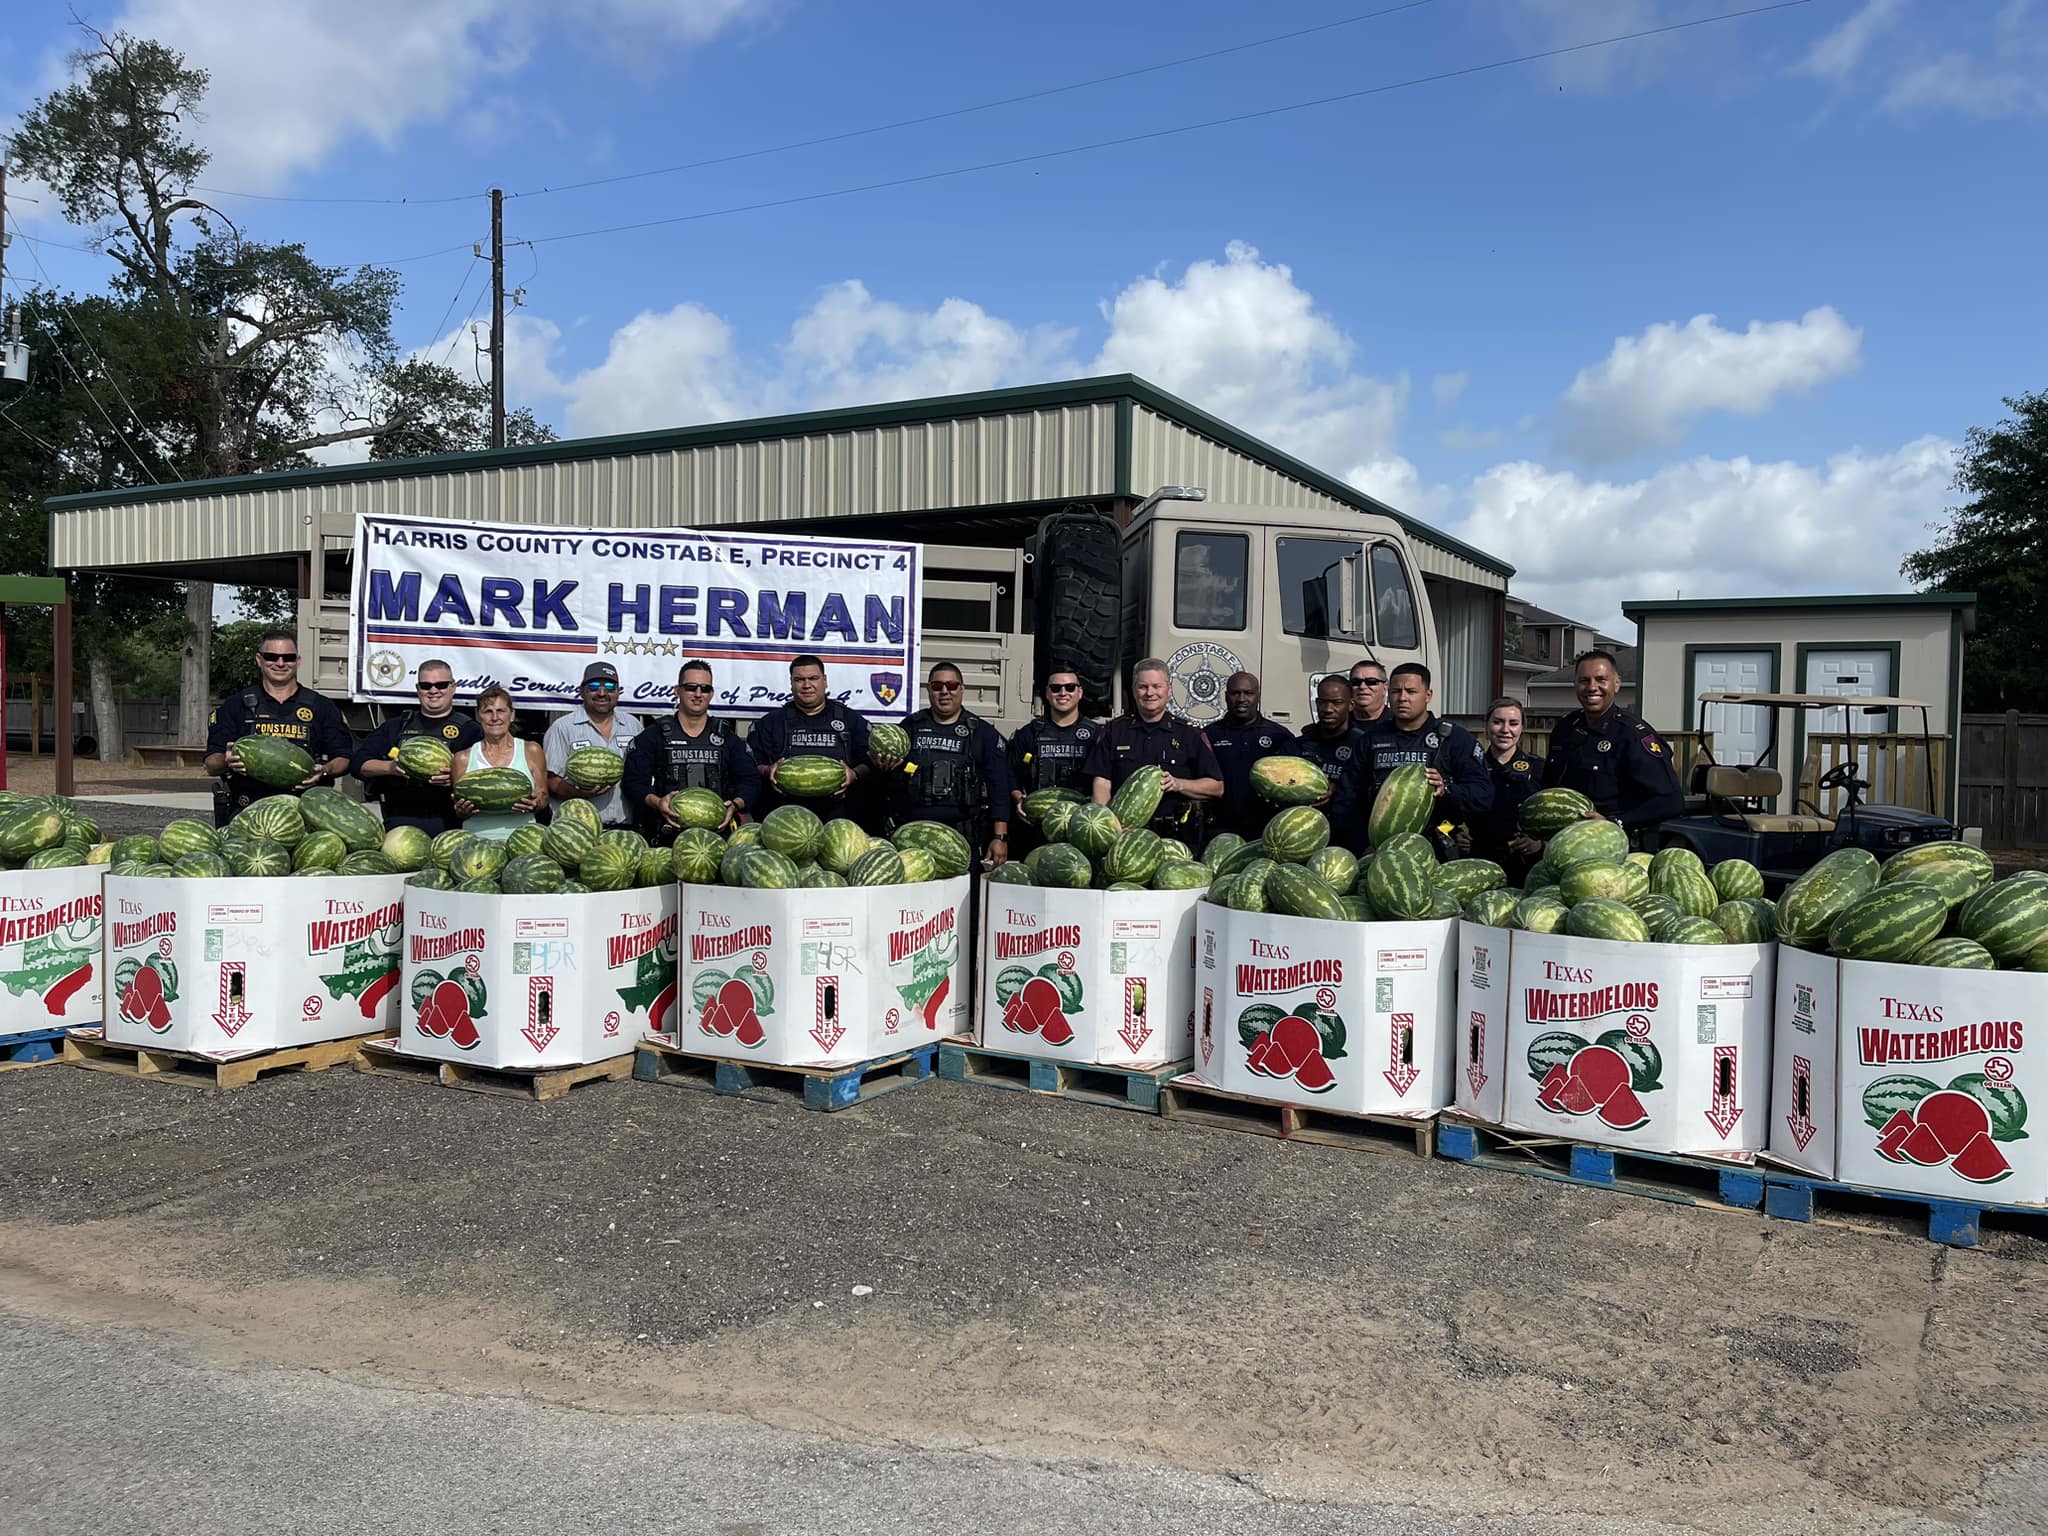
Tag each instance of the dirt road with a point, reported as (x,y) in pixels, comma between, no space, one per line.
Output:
(953,1269)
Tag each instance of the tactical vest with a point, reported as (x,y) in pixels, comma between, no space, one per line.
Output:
(947,774)
(684,763)
(1057,753)
(821,735)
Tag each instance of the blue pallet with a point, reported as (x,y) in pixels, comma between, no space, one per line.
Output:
(1653,1175)
(1957,1223)
(820,1088)
(962,1061)
(32,1047)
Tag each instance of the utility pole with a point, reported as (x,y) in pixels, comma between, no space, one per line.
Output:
(497,317)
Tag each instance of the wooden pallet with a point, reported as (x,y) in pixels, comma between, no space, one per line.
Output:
(32,1048)
(540,1084)
(91,1049)
(1654,1175)
(1198,1103)
(1957,1223)
(821,1088)
(963,1060)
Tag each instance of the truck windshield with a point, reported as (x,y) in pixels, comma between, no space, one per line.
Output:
(1209,580)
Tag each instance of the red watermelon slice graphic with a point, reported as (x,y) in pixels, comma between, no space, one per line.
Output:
(730,1011)
(1036,1010)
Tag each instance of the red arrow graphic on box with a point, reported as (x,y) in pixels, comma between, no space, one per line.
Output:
(1400,1073)
(1722,1111)
(827,1033)
(232,1015)
(1135,1033)
(1801,1123)
(1475,1069)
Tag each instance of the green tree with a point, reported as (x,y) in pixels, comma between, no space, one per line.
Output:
(229,342)
(1996,545)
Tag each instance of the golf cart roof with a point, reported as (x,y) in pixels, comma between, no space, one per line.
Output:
(1812,700)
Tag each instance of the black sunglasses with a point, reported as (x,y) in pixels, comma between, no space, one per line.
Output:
(1368,682)
(279,655)
(1062,687)
(695,687)
(437,687)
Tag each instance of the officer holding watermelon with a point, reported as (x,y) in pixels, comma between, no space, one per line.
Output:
(1149,737)
(688,750)
(1344,753)
(1047,752)
(810,725)
(1610,756)
(1456,767)
(409,801)
(1240,739)
(955,772)
(276,705)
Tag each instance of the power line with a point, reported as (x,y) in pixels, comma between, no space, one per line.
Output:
(985,106)
(40,441)
(454,299)
(57,346)
(134,416)
(1167,133)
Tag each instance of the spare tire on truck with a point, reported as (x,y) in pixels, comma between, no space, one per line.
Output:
(1077,602)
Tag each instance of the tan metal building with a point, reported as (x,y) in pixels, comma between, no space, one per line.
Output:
(975,469)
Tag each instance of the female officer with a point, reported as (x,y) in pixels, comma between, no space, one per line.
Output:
(1496,834)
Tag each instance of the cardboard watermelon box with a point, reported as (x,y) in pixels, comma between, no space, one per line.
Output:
(822,977)
(1336,1015)
(530,983)
(1104,978)
(1480,1028)
(229,967)
(50,967)
(1911,1078)
(1654,1047)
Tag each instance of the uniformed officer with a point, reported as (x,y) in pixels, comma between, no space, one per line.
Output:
(1344,753)
(1239,740)
(1610,756)
(1411,734)
(1047,752)
(956,772)
(810,725)
(1496,833)
(688,750)
(1368,695)
(1150,737)
(275,705)
(407,801)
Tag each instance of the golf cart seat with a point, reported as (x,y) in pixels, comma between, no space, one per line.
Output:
(1743,791)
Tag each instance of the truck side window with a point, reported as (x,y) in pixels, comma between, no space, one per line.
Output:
(1393,604)
(1209,580)
(1318,588)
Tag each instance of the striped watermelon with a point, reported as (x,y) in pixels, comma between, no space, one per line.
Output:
(1092,829)
(1297,834)
(1247,891)
(2010,919)
(1956,954)
(593,767)
(1040,800)
(1241,856)
(842,843)
(1665,860)
(1466,878)
(1180,875)
(568,841)
(613,866)
(1889,923)
(365,861)
(477,859)
(1137,800)
(1585,842)
(329,810)
(888,739)
(275,819)
(260,860)
(1335,867)
(319,850)
(421,757)
(527,839)
(1811,903)
(810,778)
(408,848)
(1583,882)
(1602,919)
(1695,930)
(1402,805)
(1549,811)
(880,865)
(1400,879)
(531,874)
(1955,869)
(698,808)
(951,854)
(179,838)
(493,789)
(695,858)
(1060,865)
(446,844)
(1736,879)
(1058,817)
(273,761)
(794,831)
(1293,892)
(918,864)
(764,870)
(1135,855)
(1687,885)
(1221,847)
(1289,781)
(1744,921)
(1492,909)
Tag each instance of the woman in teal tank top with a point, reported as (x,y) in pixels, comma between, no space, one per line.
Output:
(499,749)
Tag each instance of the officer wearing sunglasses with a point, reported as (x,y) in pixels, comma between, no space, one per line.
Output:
(689,750)
(409,802)
(275,705)
(1047,752)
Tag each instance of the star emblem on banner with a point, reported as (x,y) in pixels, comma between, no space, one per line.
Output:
(611,647)
(668,647)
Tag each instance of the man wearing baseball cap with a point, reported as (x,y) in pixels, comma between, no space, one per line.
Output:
(595,723)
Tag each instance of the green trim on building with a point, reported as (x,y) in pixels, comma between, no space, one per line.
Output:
(1952,790)
(1125,391)
(1774,647)
(1800,652)
(1629,610)
(35,591)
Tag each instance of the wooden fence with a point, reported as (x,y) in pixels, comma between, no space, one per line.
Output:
(2002,778)
(1896,765)
(1686,746)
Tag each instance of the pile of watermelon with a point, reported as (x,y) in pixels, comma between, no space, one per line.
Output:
(1590,886)
(1104,847)
(572,855)
(1934,904)
(47,832)
(320,834)
(793,848)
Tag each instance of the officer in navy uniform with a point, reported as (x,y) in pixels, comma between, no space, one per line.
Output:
(688,750)
(811,725)
(1148,736)
(276,705)
(1344,753)
(1239,740)
(1047,752)
(1496,833)
(956,773)
(1612,757)
(1411,734)
(409,802)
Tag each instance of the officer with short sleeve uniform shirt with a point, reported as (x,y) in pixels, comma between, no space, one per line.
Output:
(809,725)
(1612,757)
(688,748)
(1151,737)
(277,705)
(407,801)
(1240,738)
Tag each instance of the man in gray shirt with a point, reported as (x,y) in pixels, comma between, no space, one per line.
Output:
(595,723)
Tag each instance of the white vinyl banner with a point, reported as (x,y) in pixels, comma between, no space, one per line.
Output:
(530,607)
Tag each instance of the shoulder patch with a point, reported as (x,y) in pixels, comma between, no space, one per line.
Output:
(1652,744)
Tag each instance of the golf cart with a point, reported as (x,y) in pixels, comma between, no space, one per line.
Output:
(1730,810)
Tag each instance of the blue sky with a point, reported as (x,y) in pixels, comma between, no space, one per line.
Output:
(1484,298)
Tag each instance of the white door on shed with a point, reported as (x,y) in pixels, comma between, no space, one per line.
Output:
(1850,674)
(1740,730)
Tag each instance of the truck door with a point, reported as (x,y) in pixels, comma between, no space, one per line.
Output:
(1201,615)
(1315,606)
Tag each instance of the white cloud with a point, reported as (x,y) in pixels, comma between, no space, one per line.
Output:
(1466,438)
(1646,392)
(1957,82)
(1710,527)
(1241,339)
(293,82)
(851,347)
(1837,55)
(1447,387)
(1966,59)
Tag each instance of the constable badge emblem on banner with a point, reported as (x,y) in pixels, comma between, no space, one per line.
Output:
(886,685)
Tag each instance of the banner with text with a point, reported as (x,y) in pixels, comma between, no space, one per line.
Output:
(529,608)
